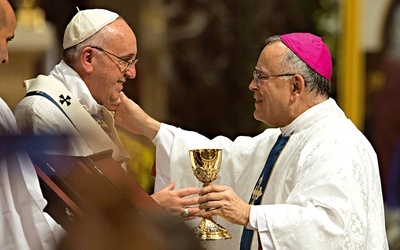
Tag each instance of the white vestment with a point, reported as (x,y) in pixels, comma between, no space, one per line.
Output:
(323,193)
(23,224)
(36,114)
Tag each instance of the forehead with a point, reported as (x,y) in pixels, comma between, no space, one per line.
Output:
(271,56)
(8,21)
(122,35)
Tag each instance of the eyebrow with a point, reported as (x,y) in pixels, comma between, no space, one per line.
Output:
(129,56)
(259,70)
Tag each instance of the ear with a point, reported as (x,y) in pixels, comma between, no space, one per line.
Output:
(87,59)
(298,86)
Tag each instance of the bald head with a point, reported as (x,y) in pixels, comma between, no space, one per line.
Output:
(8,24)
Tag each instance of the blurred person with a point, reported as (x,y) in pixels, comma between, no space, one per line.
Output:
(114,226)
(311,182)
(23,224)
(77,96)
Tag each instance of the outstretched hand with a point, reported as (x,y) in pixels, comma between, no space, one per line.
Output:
(128,115)
(175,201)
(223,201)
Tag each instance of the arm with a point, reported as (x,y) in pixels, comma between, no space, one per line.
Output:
(131,117)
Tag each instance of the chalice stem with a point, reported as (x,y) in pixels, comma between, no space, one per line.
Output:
(205,165)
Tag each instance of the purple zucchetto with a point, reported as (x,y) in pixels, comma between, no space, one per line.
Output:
(312,50)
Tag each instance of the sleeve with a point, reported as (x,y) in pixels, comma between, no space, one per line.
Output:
(163,142)
(258,223)
(172,154)
(7,120)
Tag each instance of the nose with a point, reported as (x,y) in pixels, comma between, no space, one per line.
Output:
(253,84)
(131,72)
(5,57)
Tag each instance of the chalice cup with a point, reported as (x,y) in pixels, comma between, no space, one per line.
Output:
(206,165)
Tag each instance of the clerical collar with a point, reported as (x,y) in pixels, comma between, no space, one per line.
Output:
(307,115)
(74,83)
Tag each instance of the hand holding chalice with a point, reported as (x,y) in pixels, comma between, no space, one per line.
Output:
(206,165)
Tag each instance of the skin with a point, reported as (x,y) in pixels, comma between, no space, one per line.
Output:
(278,102)
(104,74)
(8,23)
(174,201)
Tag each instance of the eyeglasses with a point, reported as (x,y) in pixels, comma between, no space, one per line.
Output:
(257,76)
(128,63)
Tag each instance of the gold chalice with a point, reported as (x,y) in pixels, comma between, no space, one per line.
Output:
(205,165)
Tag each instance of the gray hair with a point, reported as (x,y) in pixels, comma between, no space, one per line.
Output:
(313,80)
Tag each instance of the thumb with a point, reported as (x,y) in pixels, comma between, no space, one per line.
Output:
(171,185)
(122,95)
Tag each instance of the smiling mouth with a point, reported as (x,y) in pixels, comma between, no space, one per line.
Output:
(258,100)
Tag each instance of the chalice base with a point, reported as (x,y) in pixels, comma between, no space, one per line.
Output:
(208,229)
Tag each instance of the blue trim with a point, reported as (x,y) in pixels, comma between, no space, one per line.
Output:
(41,93)
(247,235)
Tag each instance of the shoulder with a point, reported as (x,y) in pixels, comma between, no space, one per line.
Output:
(36,114)
(34,105)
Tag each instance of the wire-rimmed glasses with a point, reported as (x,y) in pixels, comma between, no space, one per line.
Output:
(128,63)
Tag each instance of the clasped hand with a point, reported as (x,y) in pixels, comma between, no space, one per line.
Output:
(223,201)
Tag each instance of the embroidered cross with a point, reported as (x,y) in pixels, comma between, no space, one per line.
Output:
(257,192)
(65,99)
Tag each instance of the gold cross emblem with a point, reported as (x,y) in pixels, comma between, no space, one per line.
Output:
(257,192)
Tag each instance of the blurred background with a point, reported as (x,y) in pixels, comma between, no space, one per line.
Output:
(197,58)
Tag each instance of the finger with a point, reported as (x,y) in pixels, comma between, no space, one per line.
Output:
(122,95)
(209,197)
(191,217)
(192,213)
(212,188)
(171,184)
(169,187)
(189,202)
(210,205)
(187,191)
(209,213)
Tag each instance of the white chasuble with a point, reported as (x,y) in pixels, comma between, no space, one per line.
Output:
(323,193)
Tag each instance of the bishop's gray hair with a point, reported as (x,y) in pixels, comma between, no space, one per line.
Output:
(293,63)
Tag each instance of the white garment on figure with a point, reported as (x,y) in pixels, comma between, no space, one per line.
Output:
(23,224)
(36,114)
(324,191)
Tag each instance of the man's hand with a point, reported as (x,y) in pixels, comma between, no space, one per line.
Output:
(175,201)
(223,201)
(128,115)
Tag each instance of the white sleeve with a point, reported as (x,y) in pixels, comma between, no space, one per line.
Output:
(258,222)
(163,142)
